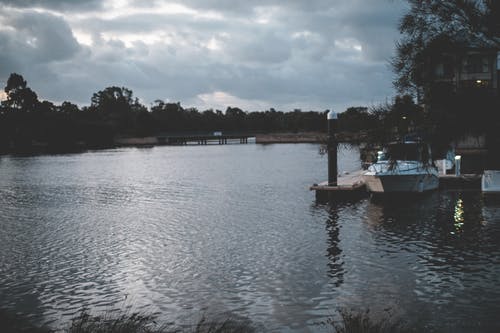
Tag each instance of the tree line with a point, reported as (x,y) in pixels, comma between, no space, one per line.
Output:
(28,124)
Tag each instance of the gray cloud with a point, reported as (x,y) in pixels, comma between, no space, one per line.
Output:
(284,54)
(55,4)
(34,39)
(49,37)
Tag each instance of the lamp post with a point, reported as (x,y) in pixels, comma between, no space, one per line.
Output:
(458,159)
(332,148)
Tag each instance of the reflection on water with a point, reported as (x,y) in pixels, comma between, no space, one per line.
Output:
(334,250)
(458,216)
(442,255)
(183,230)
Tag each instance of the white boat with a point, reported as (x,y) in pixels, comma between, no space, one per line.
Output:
(403,167)
(490,181)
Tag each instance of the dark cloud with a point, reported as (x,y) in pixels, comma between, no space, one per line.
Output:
(48,37)
(33,39)
(316,54)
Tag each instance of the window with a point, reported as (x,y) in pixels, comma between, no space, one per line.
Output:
(476,63)
(444,69)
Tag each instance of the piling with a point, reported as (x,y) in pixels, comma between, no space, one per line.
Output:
(348,187)
(332,148)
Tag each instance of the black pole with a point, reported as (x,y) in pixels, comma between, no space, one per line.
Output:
(332,148)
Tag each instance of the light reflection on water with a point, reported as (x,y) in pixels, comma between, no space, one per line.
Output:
(183,230)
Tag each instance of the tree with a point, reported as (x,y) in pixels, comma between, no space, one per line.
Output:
(113,100)
(439,33)
(355,119)
(15,82)
(118,107)
(69,108)
(168,116)
(19,96)
(235,119)
(430,23)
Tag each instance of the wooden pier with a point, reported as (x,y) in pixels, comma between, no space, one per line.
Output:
(351,186)
(202,139)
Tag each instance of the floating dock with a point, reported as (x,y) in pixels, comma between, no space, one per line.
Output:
(461,183)
(351,185)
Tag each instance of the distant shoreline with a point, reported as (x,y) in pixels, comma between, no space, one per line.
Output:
(153,141)
(309,137)
(260,138)
(268,138)
(302,137)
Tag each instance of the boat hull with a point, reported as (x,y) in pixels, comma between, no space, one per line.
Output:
(413,183)
(490,182)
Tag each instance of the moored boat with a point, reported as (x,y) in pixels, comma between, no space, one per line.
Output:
(490,182)
(403,167)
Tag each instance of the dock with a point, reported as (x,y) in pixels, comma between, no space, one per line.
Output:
(351,186)
(179,139)
(461,183)
(202,139)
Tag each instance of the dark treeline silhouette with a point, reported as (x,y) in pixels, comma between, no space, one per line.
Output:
(28,124)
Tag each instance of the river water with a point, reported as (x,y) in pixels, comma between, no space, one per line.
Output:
(182,231)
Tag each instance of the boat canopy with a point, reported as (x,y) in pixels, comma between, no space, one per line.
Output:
(407,151)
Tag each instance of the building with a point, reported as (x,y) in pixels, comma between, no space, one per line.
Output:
(463,80)
(465,68)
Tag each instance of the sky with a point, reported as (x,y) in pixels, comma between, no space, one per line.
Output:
(256,55)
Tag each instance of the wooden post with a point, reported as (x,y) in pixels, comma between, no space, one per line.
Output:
(332,148)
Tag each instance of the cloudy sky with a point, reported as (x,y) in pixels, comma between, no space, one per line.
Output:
(286,54)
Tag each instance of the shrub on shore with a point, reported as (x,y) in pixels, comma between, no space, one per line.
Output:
(13,323)
(139,323)
(348,321)
(125,323)
(362,322)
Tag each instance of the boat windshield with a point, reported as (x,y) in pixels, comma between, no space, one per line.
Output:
(404,152)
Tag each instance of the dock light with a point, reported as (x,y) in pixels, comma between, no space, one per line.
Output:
(332,115)
(458,159)
(479,81)
(380,153)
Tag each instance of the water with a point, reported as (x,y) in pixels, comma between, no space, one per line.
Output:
(180,231)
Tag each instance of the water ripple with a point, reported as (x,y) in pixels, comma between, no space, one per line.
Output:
(182,230)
